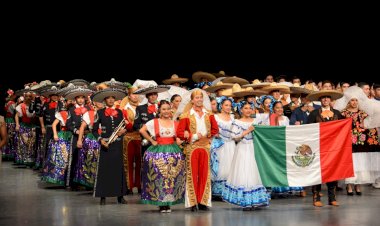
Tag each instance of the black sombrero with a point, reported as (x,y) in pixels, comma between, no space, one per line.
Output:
(116,84)
(152,89)
(77,91)
(100,95)
(53,90)
(76,82)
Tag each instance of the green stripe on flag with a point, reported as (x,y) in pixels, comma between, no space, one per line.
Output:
(270,154)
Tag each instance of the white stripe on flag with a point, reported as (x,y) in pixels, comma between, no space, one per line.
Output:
(301,171)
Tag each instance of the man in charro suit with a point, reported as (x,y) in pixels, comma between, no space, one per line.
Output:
(131,142)
(324,114)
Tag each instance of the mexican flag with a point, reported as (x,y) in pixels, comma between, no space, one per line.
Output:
(304,155)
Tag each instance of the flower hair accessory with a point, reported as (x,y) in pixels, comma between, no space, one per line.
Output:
(263,98)
(10,92)
(220,101)
(240,105)
(201,84)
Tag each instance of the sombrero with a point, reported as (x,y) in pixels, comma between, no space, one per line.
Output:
(43,86)
(218,86)
(274,86)
(115,84)
(200,75)
(50,91)
(132,89)
(76,82)
(77,91)
(297,89)
(100,95)
(63,91)
(92,86)
(234,79)
(237,91)
(152,89)
(227,93)
(174,79)
(318,94)
(21,92)
(256,84)
(220,74)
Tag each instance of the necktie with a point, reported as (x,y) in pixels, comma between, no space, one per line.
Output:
(152,109)
(53,105)
(80,110)
(111,112)
(327,114)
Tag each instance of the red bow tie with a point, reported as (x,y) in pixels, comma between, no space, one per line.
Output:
(80,110)
(111,112)
(152,109)
(53,105)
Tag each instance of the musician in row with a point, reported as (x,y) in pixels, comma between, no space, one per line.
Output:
(110,178)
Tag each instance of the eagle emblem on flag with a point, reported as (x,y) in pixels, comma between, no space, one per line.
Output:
(304,156)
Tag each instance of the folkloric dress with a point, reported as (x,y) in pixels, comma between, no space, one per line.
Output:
(365,148)
(163,172)
(244,187)
(9,150)
(88,154)
(26,136)
(56,166)
(222,152)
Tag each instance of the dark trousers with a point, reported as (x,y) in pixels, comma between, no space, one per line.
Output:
(331,188)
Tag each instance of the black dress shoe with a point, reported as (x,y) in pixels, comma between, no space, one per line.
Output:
(203,207)
(194,209)
(102,201)
(121,200)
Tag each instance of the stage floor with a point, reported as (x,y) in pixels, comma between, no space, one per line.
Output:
(25,200)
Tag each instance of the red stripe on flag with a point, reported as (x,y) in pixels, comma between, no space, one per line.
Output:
(336,150)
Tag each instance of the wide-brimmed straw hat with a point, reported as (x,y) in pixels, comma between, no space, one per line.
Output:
(318,94)
(152,89)
(77,91)
(100,95)
(256,84)
(200,75)
(116,84)
(234,79)
(220,74)
(218,86)
(228,92)
(76,82)
(297,89)
(49,91)
(237,91)
(275,86)
(174,79)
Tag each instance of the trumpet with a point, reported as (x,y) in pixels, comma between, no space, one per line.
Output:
(114,135)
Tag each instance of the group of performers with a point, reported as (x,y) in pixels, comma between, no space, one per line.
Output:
(178,145)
